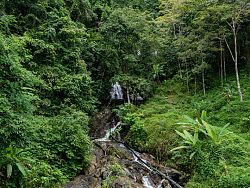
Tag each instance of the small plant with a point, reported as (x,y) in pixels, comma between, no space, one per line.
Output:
(189,140)
(200,123)
(115,171)
(130,119)
(125,109)
(43,175)
(137,135)
(11,159)
(158,71)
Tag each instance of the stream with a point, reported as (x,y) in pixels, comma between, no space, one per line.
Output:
(115,164)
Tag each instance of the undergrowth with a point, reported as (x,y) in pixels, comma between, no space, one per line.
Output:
(207,163)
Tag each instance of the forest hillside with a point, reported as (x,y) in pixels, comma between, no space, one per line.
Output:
(186,61)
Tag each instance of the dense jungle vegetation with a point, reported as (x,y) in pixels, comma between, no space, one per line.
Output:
(189,58)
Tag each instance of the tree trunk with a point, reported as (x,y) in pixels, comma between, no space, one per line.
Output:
(203,82)
(219,71)
(195,85)
(174,30)
(187,77)
(224,67)
(180,68)
(221,64)
(235,57)
(236,62)
(247,49)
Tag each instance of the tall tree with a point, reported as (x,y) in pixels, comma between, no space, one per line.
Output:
(235,15)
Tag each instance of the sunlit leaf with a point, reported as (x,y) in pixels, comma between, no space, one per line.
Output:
(9,170)
(180,147)
(21,168)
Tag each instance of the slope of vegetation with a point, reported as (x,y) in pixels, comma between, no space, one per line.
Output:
(43,105)
(58,59)
(212,160)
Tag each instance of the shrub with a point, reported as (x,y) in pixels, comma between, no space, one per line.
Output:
(63,142)
(55,149)
(236,177)
(115,171)
(43,175)
(137,135)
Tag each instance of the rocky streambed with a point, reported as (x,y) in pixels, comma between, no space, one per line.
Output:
(114,164)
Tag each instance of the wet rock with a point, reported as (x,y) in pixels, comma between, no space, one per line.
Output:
(124,182)
(172,171)
(101,122)
(156,179)
(116,166)
(113,165)
(129,174)
(105,174)
(165,184)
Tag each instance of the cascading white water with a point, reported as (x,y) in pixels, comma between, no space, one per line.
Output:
(116,92)
(146,182)
(108,133)
(137,158)
(139,172)
(143,162)
(160,185)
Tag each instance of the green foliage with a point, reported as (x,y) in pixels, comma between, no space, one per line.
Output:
(124,110)
(59,148)
(136,132)
(124,45)
(115,171)
(43,175)
(62,141)
(235,177)
(16,94)
(200,124)
(135,85)
(213,168)
(210,156)
(137,135)
(46,93)
(158,72)
(13,159)
(189,140)
(58,57)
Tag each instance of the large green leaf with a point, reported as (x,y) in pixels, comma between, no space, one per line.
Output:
(21,168)
(188,135)
(181,134)
(180,147)
(9,170)
(203,115)
(192,154)
(196,136)
(209,129)
(221,133)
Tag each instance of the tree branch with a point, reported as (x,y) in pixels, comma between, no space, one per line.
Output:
(229,49)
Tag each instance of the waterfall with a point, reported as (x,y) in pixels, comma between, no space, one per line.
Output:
(108,133)
(116,92)
(141,170)
(146,182)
